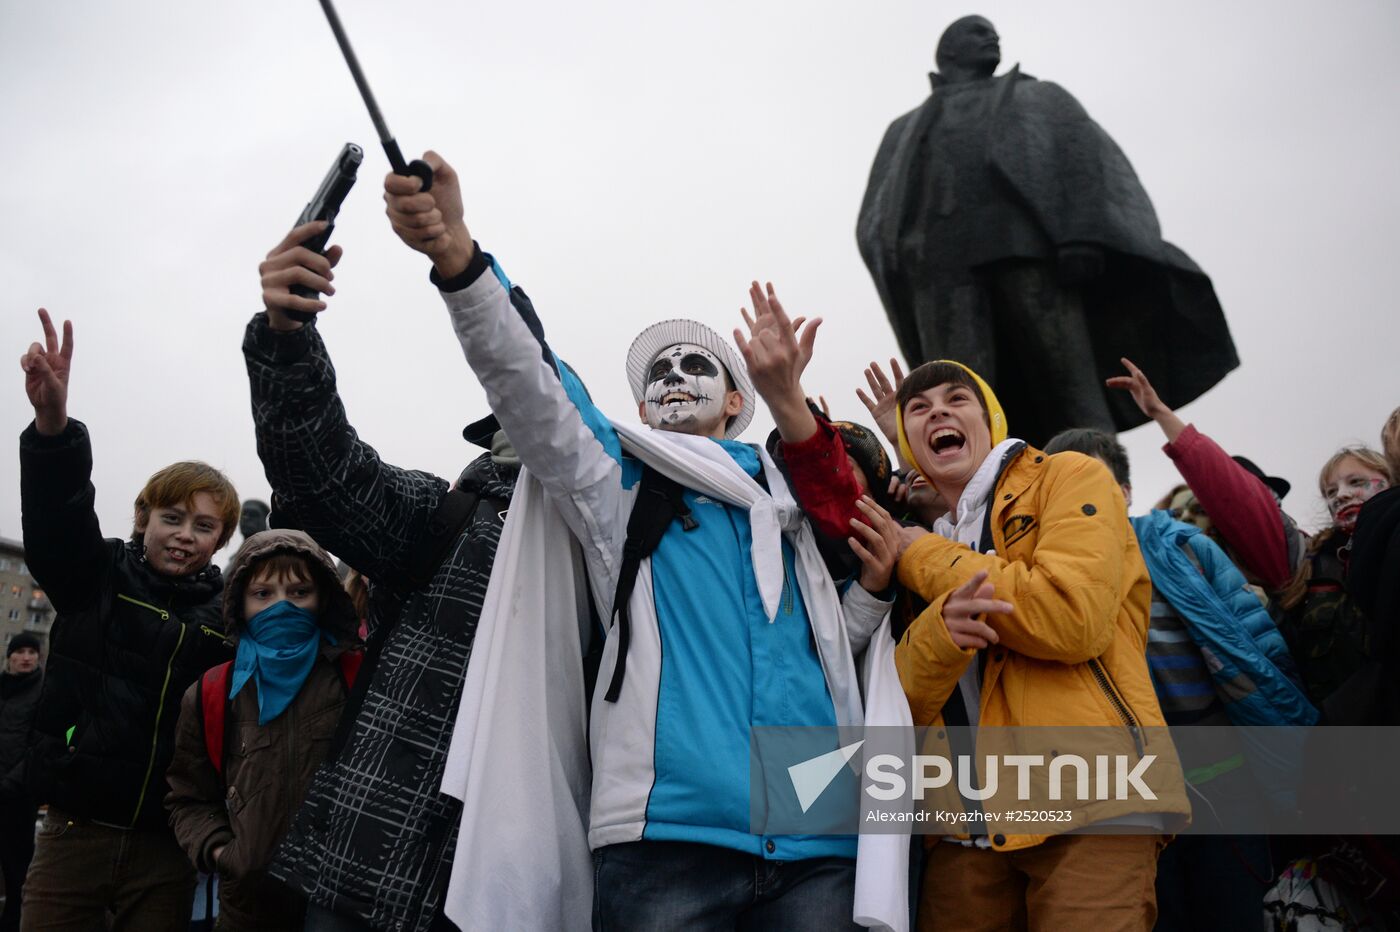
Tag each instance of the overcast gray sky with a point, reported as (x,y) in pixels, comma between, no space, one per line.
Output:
(628,161)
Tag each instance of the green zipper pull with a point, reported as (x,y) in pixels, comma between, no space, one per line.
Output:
(164,615)
(160,711)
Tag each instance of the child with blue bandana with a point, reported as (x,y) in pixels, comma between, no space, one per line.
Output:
(251,734)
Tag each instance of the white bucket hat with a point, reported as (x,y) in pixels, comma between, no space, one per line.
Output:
(658,336)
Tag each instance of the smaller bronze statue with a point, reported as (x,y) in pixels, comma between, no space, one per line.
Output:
(1006,230)
(253,517)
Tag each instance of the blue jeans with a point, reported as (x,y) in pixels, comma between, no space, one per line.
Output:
(659,885)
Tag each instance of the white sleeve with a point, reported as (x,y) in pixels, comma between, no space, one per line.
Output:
(863,613)
(571,458)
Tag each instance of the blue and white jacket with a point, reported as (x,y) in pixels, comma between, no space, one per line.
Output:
(1244,650)
(706,663)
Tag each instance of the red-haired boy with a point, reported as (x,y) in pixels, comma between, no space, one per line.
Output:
(138,621)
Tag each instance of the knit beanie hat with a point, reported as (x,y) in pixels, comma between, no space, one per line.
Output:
(861,445)
(21,641)
(865,448)
(996,417)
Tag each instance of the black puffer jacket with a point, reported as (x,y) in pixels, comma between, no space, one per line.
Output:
(19,697)
(125,646)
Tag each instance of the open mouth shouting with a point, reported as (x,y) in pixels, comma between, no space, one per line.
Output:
(947,443)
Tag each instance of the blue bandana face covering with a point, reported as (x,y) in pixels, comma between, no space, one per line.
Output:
(276,651)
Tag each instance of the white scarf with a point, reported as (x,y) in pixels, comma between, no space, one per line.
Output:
(519,756)
(972,504)
(701,464)
(967,529)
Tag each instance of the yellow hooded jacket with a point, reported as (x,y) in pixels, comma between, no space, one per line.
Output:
(1073,652)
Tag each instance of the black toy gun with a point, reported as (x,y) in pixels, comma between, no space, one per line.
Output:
(324,206)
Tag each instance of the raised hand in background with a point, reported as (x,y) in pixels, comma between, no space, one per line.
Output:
(881,400)
(776,352)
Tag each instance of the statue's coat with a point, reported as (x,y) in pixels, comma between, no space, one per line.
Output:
(1040,174)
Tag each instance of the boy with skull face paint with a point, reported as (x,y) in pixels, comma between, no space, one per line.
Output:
(687,390)
(746,640)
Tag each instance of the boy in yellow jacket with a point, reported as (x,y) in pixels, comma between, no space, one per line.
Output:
(1036,569)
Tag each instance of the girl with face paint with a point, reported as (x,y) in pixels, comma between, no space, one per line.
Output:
(1324,628)
(1349,480)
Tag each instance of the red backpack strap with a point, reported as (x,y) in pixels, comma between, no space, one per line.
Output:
(350,663)
(213,707)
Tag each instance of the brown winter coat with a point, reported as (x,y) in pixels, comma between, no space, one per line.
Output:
(267,768)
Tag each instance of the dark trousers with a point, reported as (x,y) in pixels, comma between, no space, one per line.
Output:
(661,885)
(320,919)
(16,849)
(1212,882)
(82,873)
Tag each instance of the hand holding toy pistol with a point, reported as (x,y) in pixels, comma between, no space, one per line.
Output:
(324,206)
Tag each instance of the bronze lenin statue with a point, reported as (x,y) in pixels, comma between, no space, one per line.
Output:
(1006,230)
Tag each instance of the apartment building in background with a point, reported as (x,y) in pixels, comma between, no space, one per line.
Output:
(23,605)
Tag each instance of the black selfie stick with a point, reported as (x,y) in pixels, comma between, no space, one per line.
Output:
(417,167)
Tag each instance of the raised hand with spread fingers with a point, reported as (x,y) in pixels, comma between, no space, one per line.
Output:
(882,405)
(776,352)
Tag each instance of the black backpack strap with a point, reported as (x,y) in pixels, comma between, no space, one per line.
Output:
(451,515)
(984,543)
(593,649)
(659,501)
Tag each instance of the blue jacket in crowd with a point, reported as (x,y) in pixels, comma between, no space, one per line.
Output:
(1243,648)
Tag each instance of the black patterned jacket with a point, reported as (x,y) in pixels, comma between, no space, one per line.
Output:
(374,839)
